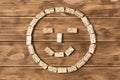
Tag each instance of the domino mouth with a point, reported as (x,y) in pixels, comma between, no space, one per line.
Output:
(51,52)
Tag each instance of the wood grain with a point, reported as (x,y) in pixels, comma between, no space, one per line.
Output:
(35,73)
(14,29)
(17,64)
(24,8)
(107,51)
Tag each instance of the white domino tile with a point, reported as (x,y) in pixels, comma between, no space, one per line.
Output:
(47,30)
(72,30)
(92,38)
(29,30)
(71,69)
(59,37)
(69,10)
(43,64)
(69,51)
(31,49)
(62,70)
(28,40)
(80,63)
(40,15)
(79,14)
(85,21)
(33,22)
(59,54)
(92,48)
(59,9)
(87,56)
(49,51)
(90,29)
(52,69)
(36,58)
(50,10)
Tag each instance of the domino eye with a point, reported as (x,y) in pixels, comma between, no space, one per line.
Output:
(72,30)
(47,30)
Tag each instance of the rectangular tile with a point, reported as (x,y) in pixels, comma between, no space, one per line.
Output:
(33,22)
(59,9)
(69,51)
(36,58)
(47,30)
(87,56)
(85,21)
(29,30)
(49,51)
(52,69)
(69,10)
(50,10)
(59,54)
(43,64)
(28,40)
(90,29)
(72,30)
(80,63)
(92,48)
(59,37)
(31,49)
(79,14)
(72,68)
(62,70)
(40,15)
(93,38)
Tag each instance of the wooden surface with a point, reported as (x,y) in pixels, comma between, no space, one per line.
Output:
(17,64)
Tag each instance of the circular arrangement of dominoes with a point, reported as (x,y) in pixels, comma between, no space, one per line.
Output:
(37,58)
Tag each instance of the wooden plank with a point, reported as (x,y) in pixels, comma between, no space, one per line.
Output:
(35,73)
(14,29)
(106,53)
(94,8)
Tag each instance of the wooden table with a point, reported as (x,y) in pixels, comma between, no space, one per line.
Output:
(17,64)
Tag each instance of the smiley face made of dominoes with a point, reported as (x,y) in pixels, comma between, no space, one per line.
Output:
(70,49)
